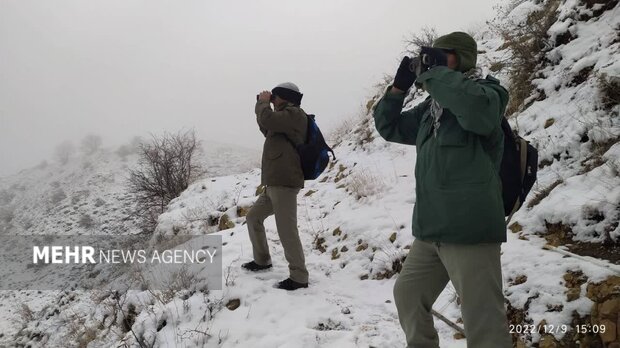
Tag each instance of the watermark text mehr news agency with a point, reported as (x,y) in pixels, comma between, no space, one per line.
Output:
(88,254)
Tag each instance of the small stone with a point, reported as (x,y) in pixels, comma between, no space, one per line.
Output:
(515,227)
(260,190)
(520,279)
(242,211)
(549,123)
(344,249)
(309,193)
(335,254)
(233,304)
(346,310)
(548,341)
(458,336)
(393,237)
(225,223)
(573,294)
(361,247)
(337,231)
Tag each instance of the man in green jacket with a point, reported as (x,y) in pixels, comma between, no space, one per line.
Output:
(282,178)
(458,218)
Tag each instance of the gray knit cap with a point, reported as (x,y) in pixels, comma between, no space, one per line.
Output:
(289,92)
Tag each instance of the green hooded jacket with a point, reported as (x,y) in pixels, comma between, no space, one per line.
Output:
(458,188)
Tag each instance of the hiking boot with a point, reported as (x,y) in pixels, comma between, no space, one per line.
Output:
(254,267)
(290,284)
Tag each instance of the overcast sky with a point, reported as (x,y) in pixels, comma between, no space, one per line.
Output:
(119,68)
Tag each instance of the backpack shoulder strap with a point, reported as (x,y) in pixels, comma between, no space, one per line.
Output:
(523,156)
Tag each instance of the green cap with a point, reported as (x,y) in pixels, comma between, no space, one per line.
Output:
(464,46)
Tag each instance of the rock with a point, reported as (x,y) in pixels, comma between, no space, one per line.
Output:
(573,294)
(603,290)
(225,223)
(515,227)
(361,247)
(458,336)
(549,122)
(319,244)
(243,211)
(393,237)
(233,304)
(260,190)
(618,326)
(335,254)
(548,341)
(337,231)
(609,308)
(345,310)
(309,193)
(344,249)
(610,333)
(520,279)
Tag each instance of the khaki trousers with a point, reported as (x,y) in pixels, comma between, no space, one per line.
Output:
(475,272)
(282,202)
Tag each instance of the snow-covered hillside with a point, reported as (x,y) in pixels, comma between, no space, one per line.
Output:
(560,263)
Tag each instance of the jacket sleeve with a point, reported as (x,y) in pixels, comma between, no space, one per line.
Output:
(394,125)
(478,108)
(269,120)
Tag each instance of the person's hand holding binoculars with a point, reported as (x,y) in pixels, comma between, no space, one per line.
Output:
(264,96)
(411,68)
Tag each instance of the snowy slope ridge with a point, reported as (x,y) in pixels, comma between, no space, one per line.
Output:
(86,196)
(355,225)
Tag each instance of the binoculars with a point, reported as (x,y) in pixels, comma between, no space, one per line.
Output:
(273,97)
(422,61)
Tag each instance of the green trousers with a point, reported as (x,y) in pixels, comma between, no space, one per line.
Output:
(281,202)
(475,272)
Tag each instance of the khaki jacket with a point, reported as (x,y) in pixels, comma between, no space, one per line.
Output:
(281,165)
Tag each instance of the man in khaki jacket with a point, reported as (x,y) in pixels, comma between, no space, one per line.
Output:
(282,177)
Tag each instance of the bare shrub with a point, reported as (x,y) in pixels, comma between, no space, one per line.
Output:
(57,196)
(425,37)
(364,183)
(64,151)
(528,42)
(609,87)
(26,313)
(86,221)
(42,165)
(543,193)
(123,151)
(90,144)
(166,167)
(6,196)
(341,130)
(7,214)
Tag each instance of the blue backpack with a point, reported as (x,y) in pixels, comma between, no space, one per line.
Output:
(313,153)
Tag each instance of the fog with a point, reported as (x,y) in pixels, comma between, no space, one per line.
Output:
(120,68)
